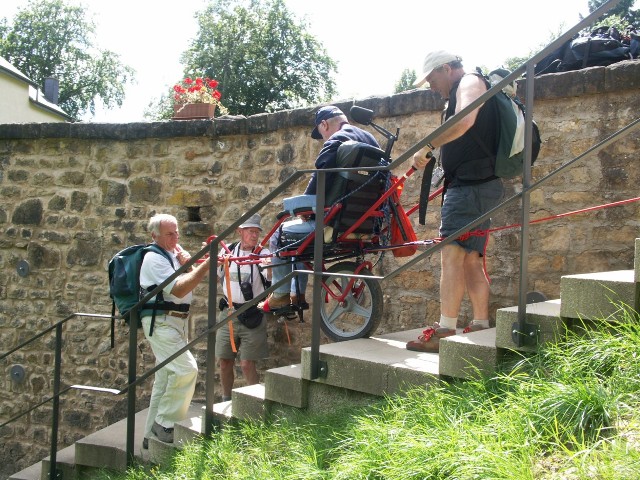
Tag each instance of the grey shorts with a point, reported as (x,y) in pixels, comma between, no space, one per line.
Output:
(251,343)
(463,204)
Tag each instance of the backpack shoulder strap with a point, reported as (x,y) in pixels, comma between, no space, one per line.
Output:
(257,250)
(154,247)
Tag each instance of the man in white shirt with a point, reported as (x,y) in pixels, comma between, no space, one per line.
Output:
(174,384)
(250,328)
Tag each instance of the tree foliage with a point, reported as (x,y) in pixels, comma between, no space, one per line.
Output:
(50,38)
(263,57)
(623,11)
(407,79)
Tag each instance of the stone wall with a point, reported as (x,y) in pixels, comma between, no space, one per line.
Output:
(74,194)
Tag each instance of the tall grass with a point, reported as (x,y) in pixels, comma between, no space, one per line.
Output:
(569,411)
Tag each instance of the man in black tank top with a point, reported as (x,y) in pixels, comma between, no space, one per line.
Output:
(471,190)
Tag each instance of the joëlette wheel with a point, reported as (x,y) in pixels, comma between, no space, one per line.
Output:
(359,314)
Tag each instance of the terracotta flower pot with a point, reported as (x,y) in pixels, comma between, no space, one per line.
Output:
(193,111)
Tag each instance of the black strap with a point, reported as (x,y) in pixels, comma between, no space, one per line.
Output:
(238,267)
(425,190)
(159,297)
(113,324)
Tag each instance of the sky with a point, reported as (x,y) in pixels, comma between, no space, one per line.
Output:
(371,41)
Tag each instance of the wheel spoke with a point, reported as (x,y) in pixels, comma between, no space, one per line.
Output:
(360,310)
(335,314)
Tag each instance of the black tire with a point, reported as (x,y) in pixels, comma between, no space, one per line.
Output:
(360,314)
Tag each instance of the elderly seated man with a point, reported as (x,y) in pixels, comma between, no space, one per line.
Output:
(331,126)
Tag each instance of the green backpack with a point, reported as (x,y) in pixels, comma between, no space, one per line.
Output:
(124,281)
(510,152)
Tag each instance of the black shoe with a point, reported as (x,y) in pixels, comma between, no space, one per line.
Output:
(164,434)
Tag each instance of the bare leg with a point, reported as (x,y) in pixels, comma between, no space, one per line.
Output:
(477,285)
(452,279)
(249,371)
(226,375)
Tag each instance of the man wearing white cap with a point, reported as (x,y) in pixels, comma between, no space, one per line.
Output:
(467,153)
(249,328)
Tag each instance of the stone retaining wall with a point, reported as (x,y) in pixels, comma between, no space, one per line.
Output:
(74,194)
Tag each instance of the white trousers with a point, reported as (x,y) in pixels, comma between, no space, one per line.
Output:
(175,383)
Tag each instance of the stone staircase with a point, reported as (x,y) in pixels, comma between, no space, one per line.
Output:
(360,370)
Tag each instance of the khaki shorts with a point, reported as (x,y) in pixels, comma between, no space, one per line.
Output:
(250,342)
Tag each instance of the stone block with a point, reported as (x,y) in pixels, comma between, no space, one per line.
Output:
(33,472)
(636,263)
(470,355)
(66,464)
(285,385)
(325,399)
(190,429)
(623,76)
(377,366)
(248,402)
(597,296)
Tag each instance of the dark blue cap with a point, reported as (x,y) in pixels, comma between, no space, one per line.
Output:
(325,113)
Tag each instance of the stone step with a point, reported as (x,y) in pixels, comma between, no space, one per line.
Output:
(32,472)
(380,365)
(184,432)
(546,315)
(192,428)
(469,355)
(66,464)
(106,448)
(286,386)
(595,296)
(248,402)
(636,260)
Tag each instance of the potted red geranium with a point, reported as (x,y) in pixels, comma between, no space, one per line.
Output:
(196,98)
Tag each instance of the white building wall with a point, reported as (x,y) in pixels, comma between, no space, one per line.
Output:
(16,107)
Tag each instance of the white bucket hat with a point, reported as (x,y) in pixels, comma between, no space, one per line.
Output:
(434,60)
(252,222)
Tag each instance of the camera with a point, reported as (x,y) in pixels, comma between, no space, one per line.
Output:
(247,290)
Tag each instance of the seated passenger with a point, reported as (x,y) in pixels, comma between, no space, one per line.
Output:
(331,126)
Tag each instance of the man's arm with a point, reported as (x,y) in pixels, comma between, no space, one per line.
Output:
(186,282)
(471,87)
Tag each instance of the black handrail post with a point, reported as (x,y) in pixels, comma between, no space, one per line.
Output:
(317,274)
(522,333)
(210,380)
(134,320)
(53,467)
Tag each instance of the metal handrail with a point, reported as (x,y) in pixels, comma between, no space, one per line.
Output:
(55,398)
